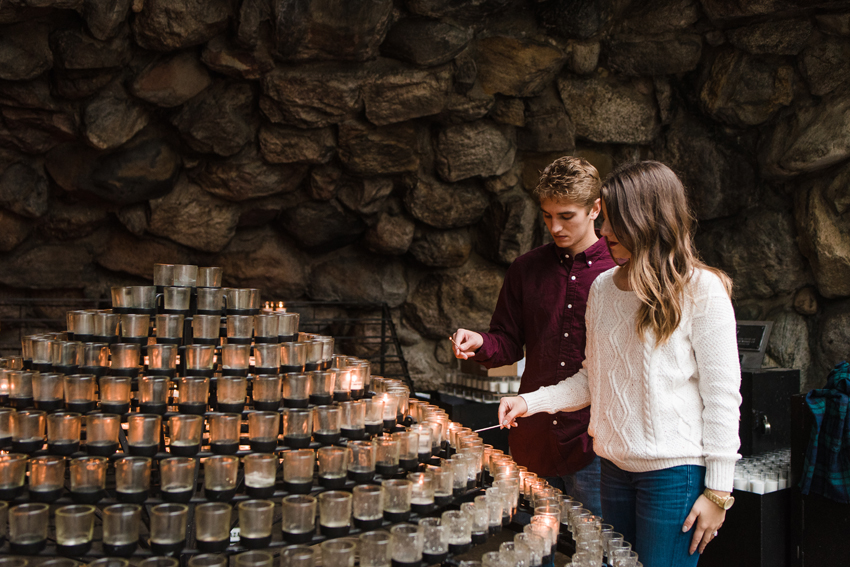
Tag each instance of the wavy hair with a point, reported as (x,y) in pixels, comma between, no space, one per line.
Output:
(649,214)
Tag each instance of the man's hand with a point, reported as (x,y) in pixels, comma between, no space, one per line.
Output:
(511,408)
(465,343)
(706,517)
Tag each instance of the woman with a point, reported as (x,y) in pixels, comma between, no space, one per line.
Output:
(661,374)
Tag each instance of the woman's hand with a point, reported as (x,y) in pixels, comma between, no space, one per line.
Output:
(466,343)
(511,408)
(708,518)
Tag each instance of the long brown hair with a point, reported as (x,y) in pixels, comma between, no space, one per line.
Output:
(649,214)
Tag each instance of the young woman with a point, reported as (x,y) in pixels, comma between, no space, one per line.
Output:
(661,374)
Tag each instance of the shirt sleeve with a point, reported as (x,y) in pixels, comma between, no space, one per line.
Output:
(503,344)
(714,341)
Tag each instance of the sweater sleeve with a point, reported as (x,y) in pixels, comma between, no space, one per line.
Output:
(716,350)
(504,342)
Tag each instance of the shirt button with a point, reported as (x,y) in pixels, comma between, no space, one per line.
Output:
(572,277)
(566,334)
(567,255)
(563,363)
(589,263)
(554,422)
(569,306)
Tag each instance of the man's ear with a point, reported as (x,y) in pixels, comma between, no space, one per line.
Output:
(595,209)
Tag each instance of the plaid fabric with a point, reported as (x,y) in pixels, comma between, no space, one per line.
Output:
(826,470)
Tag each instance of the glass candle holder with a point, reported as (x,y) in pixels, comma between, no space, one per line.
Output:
(495,507)
(74,529)
(209,276)
(374,420)
(135,327)
(266,392)
(115,394)
(423,433)
(177,476)
(293,357)
(212,526)
(206,329)
(390,409)
(407,544)
(263,428)
(333,466)
(63,433)
(315,351)
(458,528)
(110,562)
(298,468)
(28,528)
(434,540)
(397,494)
(367,506)
(235,359)
(353,419)
(535,544)
(422,492)
(41,358)
(193,393)
(168,528)
(210,301)
(254,559)
(162,359)
(361,468)
(200,360)
(297,390)
(13,472)
(47,478)
(106,326)
(443,484)
(169,329)
(288,326)
(160,561)
(125,357)
(266,328)
(175,300)
(143,434)
(322,386)
(81,323)
(338,553)
(6,424)
(133,479)
(342,384)
(244,301)
(153,394)
(231,393)
(360,377)
(260,474)
(66,356)
(375,549)
(88,479)
(163,275)
(102,433)
(408,449)
(460,473)
(95,359)
(121,529)
(386,455)
(298,556)
(479,515)
(326,420)
(255,523)
(298,517)
(208,560)
(297,427)
(552,528)
(48,391)
(267,358)
(28,431)
(224,432)
(80,394)
(240,329)
(220,475)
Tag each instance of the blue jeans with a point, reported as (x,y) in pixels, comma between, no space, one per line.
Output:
(649,509)
(582,485)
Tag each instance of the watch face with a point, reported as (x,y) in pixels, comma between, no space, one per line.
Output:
(729,502)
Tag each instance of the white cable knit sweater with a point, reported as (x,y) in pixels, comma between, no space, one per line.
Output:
(656,408)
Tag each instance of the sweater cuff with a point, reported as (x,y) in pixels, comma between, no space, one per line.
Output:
(536,402)
(720,474)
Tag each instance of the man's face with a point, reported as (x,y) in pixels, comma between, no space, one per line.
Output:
(569,223)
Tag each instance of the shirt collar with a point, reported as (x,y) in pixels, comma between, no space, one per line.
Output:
(597,251)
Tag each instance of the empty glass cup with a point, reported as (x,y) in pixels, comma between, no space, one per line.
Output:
(338,553)
(74,528)
(255,523)
(121,529)
(6,415)
(177,476)
(406,545)
(162,359)
(143,434)
(125,358)
(28,431)
(298,468)
(206,329)
(368,506)
(458,528)
(435,541)
(47,478)
(48,391)
(263,428)
(80,394)
(224,432)
(95,359)
(386,455)
(244,301)
(210,301)
(169,329)
(443,484)
(235,359)
(260,474)
(322,386)
(81,324)
(115,394)
(254,559)
(408,449)
(353,419)
(374,420)
(63,433)
(175,300)
(28,528)
(13,471)
(230,394)
(265,328)
(88,479)
(479,515)
(326,420)
(153,394)
(168,528)
(220,475)
(293,357)
(266,392)
(297,390)
(133,479)
(298,517)
(208,560)
(212,526)
(375,549)
(267,358)
(193,393)
(288,326)
(333,466)
(106,327)
(397,495)
(297,427)
(135,328)
(209,276)
(102,433)
(240,329)
(361,468)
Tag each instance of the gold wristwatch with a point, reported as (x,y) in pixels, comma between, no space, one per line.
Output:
(723,502)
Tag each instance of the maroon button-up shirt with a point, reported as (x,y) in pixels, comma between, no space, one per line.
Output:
(542,306)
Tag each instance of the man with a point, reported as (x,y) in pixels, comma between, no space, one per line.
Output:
(542,306)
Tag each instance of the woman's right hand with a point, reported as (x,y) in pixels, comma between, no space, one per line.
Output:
(465,343)
(510,408)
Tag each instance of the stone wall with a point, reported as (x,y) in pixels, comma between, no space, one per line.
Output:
(383,150)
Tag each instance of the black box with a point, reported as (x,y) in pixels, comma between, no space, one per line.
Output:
(766,409)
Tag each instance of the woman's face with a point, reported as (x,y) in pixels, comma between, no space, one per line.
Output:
(618,251)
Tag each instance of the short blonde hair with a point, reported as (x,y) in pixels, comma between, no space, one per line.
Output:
(569,178)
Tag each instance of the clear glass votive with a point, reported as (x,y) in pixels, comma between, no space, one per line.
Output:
(293,357)
(95,359)
(479,516)
(168,528)
(200,360)
(458,528)
(176,300)
(210,301)
(266,392)
(13,472)
(135,327)
(254,559)
(322,386)
(210,276)
(408,449)
(160,561)
(335,513)
(353,419)
(48,391)
(338,553)
(297,427)
(212,526)
(263,429)
(121,529)
(267,358)
(28,431)
(298,518)
(63,433)
(80,394)
(235,359)
(74,529)
(391,402)
(240,329)
(231,393)
(133,479)
(443,484)
(435,541)
(162,359)
(125,356)
(406,544)
(143,434)
(260,474)
(535,544)
(326,420)
(220,475)
(224,432)
(177,476)
(386,455)
(266,328)
(298,468)
(374,419)
(342,384)
(6,424)
(422,492)
(106,326)
(333,466)
(88,479)
(102,433)
(206,329)
(397,494)
(47,478)
(115,394)
(423,433)
(375,549)
(315,352)
(297,389)
(185,434)
(28,528)
(169,329)
(153,394)
(368,506)
(193,393)
(361,468)
(208,560)
(288,326)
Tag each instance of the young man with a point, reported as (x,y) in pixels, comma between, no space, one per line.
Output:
(542,306)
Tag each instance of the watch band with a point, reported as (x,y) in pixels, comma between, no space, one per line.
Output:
(723,502)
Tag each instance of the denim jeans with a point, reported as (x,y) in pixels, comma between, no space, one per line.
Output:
(582,485)
(649,509)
